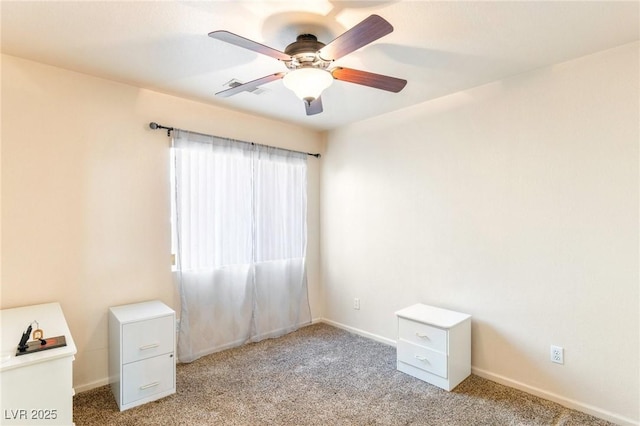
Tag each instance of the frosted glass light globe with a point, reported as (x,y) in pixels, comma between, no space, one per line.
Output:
(308,83)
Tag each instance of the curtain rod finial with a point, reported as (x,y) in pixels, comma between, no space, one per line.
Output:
(153,125)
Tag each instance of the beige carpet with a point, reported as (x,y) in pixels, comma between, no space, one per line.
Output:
(321,375)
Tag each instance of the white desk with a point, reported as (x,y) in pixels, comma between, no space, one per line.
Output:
(37,388)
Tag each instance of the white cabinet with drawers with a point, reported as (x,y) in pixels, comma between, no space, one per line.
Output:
(142,363)
(36,388)
(434,345)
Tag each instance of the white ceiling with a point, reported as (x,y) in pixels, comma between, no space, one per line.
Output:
(438,47)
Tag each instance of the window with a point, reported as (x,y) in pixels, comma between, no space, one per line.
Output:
(239,234)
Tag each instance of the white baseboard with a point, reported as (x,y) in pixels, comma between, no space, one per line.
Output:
(88,386)
(363,333)
(566,402)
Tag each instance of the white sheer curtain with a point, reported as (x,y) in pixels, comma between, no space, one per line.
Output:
(240,235)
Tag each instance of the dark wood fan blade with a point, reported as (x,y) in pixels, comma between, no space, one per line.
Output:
(315,107)
(250,85)
(240,41)
(362,34)
(370,79)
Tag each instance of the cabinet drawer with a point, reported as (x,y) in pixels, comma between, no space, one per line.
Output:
(423,358)
(147,377)
(422,335)
(146,339)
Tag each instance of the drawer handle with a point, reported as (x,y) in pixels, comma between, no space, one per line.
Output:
(150,385)
(422,336)
(151,346)
(422,358)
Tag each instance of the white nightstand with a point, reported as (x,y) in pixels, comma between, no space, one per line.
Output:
(434,345)
(142,363)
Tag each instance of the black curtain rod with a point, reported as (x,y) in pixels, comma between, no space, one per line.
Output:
(154,126)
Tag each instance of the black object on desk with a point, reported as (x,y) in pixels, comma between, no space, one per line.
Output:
(25,347)
(22,346)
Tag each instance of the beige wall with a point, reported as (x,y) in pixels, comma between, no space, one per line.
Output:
(85,195)
(515,202)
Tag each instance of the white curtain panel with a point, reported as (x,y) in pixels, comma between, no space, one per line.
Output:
(240,236)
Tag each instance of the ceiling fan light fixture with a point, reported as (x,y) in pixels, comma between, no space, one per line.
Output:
(308,61)
(308,83)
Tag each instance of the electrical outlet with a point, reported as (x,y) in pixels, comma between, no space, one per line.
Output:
(557,354)
(356,303)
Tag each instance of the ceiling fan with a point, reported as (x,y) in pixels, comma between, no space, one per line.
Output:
(309,62)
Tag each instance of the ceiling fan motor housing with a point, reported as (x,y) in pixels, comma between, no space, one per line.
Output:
(304,53)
